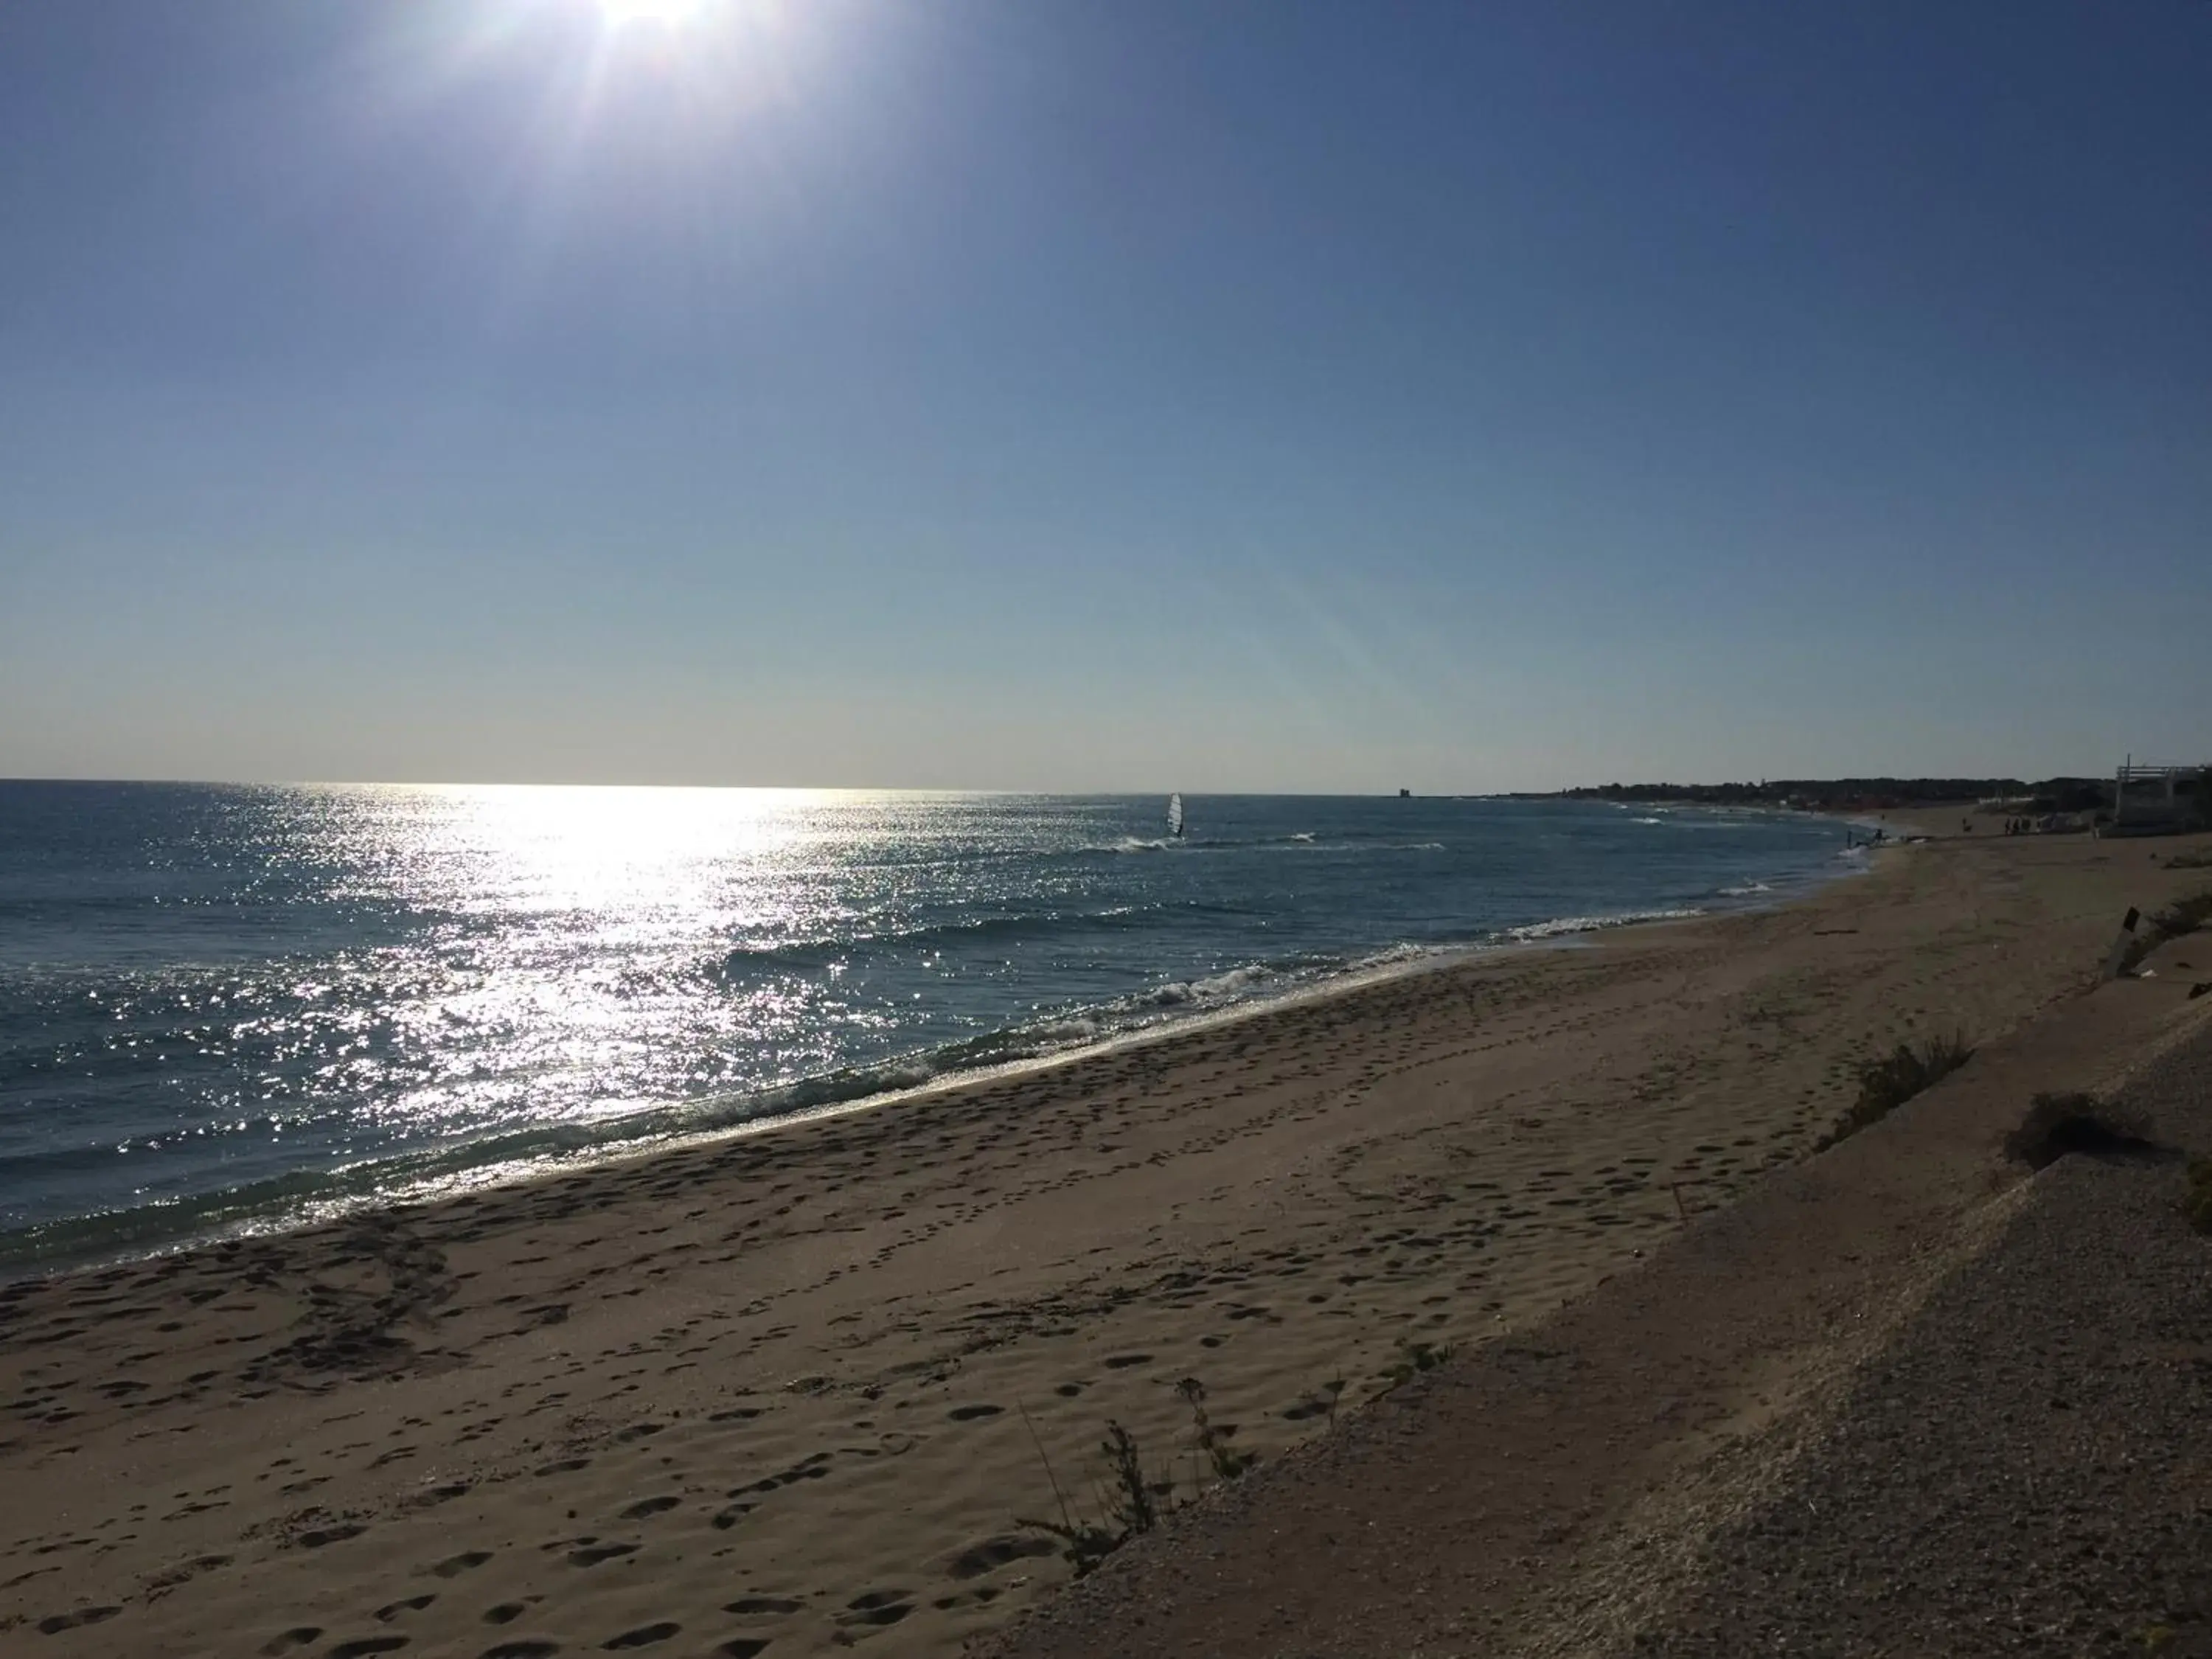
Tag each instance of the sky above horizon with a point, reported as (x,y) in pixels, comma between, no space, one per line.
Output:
(1102,394)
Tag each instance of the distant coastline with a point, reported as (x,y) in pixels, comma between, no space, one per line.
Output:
(2056,794)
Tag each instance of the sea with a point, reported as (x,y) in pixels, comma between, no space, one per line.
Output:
(231,1008)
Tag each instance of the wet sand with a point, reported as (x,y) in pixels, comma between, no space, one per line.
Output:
(786,1394)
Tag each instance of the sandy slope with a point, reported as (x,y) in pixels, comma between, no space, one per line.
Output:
(768,1396)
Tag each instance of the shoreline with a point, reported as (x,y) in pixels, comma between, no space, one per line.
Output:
(788,1391)
(112,1238)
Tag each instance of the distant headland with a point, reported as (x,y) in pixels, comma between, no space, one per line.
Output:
(1864,794)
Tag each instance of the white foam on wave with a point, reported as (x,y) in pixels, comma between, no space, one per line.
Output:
(1221,988)
(1562,926)
(1059,1033)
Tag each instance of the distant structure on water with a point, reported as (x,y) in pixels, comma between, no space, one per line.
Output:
(1405,795)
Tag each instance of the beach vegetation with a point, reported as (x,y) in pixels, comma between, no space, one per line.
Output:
(1129,1499)
(1132,1502)
(1888,1082)
(1413,1359)
(2058,1124)
(1210,1439)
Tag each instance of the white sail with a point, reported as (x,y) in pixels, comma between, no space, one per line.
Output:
(1174,815)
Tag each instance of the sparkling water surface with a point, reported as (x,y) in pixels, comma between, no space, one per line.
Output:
(223,1005)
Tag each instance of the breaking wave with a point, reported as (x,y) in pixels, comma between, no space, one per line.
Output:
(1562,926)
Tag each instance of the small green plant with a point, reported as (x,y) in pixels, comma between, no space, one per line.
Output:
(1333,1390)
(1211,1440)
(2196,1199)
(1085,1543)
(1129,1496)
(1132,1503)
(1414,1357)
(1886,1084)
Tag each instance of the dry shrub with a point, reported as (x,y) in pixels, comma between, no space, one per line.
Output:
(2058,1124)
(1886,1084)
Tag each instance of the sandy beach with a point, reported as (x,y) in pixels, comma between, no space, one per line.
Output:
(786,1394)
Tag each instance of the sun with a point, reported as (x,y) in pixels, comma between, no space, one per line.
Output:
(667,13)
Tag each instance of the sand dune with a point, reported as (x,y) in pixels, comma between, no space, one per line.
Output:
(785,1394)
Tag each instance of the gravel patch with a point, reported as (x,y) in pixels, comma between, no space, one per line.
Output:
(2028,1468)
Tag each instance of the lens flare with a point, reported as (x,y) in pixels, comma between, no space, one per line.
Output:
(666,13)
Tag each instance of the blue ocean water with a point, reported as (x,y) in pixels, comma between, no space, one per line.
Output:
(225,1005)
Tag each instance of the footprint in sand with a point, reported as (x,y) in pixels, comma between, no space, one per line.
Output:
(995,1553)
(1123,1361)
(644,1507)
(982,1596)
(505,1613)
(599,1553)
(645,1636)
(55,1624)
(454,1566)
(299,1637)
(522,1650)
(969,1413)
(748,1604)
(744,1648)
(392,1610)
(878,1607)
(362,1647)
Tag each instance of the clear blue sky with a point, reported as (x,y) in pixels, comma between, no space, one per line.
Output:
(1220,395)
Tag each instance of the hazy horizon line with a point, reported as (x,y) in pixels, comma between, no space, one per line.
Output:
(1760,782)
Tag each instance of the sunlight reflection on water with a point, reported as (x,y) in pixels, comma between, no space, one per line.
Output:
(226,990)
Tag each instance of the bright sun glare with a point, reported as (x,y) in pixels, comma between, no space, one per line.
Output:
(649,11)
